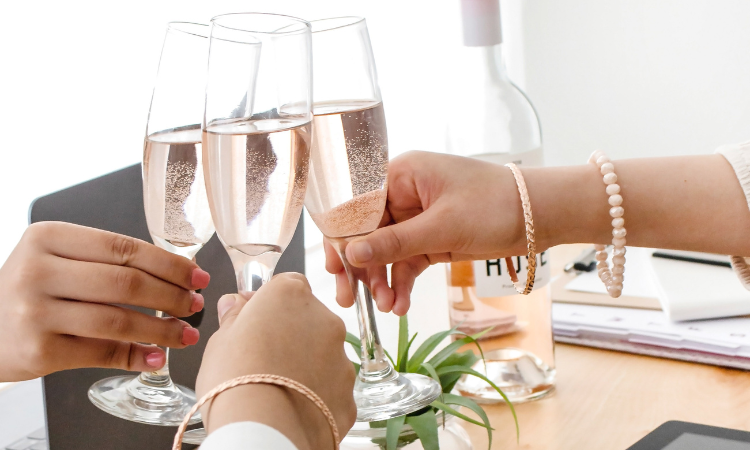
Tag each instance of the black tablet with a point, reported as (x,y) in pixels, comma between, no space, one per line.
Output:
(674,435)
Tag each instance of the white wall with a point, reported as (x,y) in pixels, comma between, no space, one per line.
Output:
(76,79)
(634,77)
(638,78)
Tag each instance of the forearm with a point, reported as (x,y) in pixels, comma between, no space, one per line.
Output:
(691,203)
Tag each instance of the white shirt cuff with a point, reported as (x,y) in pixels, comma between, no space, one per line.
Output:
(738,156)
(247,436)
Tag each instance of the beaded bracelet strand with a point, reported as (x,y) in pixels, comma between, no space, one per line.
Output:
(614,277)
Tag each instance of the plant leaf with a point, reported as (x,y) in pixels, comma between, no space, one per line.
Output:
(479,347)
(472,405)
(427,347)
(389,357)
(403,337)
(393,429)
(470,371)
(426,427)
(442,406)
(355,342)
(403,360)
(466,358)
(356,367)
(431,372)
(451,348)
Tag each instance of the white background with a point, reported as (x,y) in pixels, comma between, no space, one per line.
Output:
(635,77)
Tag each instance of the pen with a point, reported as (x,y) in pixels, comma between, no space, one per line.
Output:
(691,259)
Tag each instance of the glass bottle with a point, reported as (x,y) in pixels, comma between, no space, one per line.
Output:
(493,120)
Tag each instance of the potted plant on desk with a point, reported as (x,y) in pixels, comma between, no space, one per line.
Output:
(435,427)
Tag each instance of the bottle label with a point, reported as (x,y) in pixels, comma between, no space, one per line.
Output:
(493,280)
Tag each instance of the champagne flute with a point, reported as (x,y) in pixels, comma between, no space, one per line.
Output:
(177,211)
(256,140)
(347,193)
(256,135)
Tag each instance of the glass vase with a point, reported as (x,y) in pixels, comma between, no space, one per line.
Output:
(451,436)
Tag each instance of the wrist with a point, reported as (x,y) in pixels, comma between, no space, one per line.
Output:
(569,205)
(289,412)
(262,403)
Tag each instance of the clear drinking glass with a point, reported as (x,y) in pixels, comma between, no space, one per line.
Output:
(177,211)
(347,193)
(256,140)
(256,134)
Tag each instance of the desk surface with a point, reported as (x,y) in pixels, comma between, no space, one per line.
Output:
(610,400)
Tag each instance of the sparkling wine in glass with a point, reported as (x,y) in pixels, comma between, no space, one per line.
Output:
(256,139)
(347,193)
(177,210)
(257,136)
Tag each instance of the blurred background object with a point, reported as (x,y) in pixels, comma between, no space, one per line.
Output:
(635,77)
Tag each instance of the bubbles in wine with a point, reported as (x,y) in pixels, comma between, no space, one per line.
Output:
(349,167)
(175,199)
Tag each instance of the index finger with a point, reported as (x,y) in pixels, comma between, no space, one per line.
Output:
(80,243)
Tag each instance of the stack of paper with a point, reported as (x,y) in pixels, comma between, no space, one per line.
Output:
(723,342)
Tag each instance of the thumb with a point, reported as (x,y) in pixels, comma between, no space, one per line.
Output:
(229,308)
(422,234)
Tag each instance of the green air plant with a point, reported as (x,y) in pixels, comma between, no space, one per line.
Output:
(445,366)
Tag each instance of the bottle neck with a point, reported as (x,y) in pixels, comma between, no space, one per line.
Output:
(484,62)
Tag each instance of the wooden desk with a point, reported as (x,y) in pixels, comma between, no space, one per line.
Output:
(608,400)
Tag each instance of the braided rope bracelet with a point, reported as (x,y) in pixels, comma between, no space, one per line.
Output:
(528,220)
(260,379)
(614,277)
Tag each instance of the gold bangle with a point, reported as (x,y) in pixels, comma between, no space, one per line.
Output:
(260,379)
(530,240)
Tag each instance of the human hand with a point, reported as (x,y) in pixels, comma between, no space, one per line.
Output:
(440,208)
(282,330)
(62,283)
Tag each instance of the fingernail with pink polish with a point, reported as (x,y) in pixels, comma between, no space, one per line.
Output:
(155,359)
(190,336)
(197,304)
(200,278)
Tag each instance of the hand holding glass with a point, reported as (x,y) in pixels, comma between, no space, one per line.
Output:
(177,213)
(347,193)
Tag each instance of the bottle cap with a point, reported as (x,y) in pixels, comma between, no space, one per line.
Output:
(481,22)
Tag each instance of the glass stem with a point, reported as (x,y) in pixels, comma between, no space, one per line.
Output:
(252,276)
(160,377)
(375,366)
(252,271)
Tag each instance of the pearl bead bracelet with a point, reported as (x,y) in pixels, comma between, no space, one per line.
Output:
(612,278)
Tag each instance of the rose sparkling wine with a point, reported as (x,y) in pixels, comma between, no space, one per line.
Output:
(175,192)
(257,178)
(351,138)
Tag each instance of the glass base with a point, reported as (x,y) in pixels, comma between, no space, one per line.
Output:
(402,394)
(521,375)
(195,437)
(127,397)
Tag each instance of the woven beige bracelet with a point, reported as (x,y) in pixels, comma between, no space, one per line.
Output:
(530,239)
(260,379)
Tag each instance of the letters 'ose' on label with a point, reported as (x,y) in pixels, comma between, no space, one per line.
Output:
(493,280)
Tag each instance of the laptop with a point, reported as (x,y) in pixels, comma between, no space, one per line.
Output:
(114,202)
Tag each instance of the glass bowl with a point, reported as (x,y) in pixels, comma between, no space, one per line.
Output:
(451,436)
